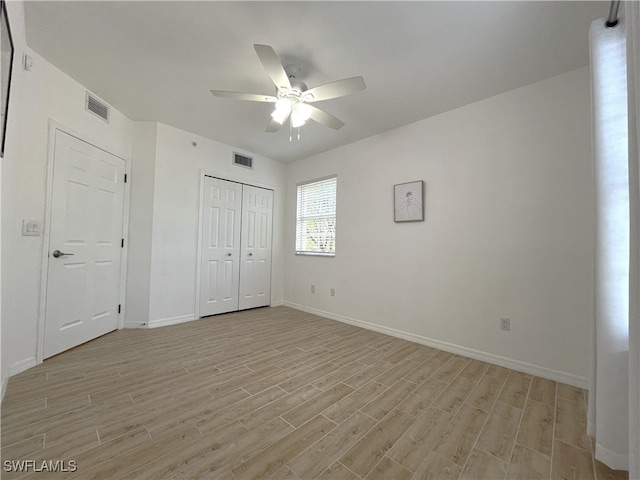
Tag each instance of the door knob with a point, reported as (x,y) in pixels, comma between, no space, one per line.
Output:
(58,253)
(251,254)
(229,254)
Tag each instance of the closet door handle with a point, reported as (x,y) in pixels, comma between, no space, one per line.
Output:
(58,254)
(251,254)
(229,254)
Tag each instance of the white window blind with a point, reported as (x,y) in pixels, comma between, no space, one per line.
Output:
(316,218)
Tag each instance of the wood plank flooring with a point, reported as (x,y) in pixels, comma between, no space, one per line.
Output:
(278,393)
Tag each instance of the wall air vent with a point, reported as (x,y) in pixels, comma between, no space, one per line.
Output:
(242,160)
(97,107)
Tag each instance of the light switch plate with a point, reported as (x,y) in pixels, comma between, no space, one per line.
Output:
(30,228)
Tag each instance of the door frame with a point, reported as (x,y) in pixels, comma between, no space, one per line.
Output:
(228,178)
(53,128)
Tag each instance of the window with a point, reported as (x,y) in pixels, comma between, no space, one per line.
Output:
(316,218)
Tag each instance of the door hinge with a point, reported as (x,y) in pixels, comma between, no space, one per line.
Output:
(122,243)
(125,178)
(119,308)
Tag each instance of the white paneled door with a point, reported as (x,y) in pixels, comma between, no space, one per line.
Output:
(235,264)
(85,244)
(255,270)
(221,223)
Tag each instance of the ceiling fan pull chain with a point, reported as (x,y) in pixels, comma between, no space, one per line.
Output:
(298,133)
(290,132)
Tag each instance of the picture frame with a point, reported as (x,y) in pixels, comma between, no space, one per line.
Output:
(408,202)
(6,66)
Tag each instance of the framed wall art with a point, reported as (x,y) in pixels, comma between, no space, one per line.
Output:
(6,63)
(408,205)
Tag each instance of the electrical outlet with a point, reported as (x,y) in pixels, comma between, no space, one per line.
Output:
(505,324)
(313,288)
(333,292)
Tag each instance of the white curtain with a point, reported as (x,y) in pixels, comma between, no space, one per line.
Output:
(614,396)
(608,419)
(632,18)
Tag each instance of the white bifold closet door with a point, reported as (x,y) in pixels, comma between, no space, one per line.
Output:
(255,247)
(236,247)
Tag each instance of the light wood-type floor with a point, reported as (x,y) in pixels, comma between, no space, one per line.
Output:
(277,393)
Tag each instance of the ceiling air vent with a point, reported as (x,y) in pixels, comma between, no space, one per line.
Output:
(242,160)
(97,107)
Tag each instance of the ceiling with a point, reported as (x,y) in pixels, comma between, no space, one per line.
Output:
(158,60)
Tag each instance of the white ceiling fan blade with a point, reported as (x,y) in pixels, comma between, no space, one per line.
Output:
(272,65)
(326,119)
(252,97)
(273,126)
(335,89)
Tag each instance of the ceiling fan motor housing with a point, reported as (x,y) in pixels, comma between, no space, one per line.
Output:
(298,87)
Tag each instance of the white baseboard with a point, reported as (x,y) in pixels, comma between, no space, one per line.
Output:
(134,325)
(22,365)
(532,369)
(163,322)
(5,381)
(15,369)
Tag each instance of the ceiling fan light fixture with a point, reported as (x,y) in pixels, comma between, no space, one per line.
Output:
(280,115)
(283,108)
(283,104)
(304,111)
(297,119)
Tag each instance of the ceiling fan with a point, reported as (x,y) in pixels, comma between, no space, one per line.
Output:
(293,98)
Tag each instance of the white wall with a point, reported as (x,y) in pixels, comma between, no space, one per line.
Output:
(11,156)
(176,214)
(4,366)
(36,97)
(141,183)
(508,231)
(8,154)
